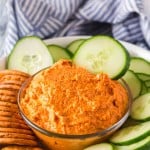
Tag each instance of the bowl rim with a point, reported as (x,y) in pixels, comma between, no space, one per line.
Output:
(115,126)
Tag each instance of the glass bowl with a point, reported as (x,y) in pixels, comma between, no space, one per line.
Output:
(56,141)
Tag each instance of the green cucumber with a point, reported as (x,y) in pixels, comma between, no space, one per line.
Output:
(144,144)
(147,83)
(73,46)
(133,82)
(140,65)
(143,76)
(59,52)
(140,109)
(103,54)
(101,146)
(30,54)
(131,134)
(144,89)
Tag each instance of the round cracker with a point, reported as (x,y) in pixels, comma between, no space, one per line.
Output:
(8,104)
(11,119)
(7,92)
(13,72)
(13,77)
(21,148)
(16,130)
(9,86)
(9,124)
(16,135)
(10,114)
(5,113)
(6,98)
(4,141)
(9,109)
(12,82)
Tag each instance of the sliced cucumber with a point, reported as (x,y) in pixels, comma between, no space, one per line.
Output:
(143,76)
(140,65)
(147,83)
(140,109)
(101,146)
(131,134)
(103,54)
(73,46)
(59,52)
(133,82)
(30,55)
(144,144)
(144,89)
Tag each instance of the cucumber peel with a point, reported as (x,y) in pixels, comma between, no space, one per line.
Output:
(73,46)
(131,134)
(59,52)
(144,144)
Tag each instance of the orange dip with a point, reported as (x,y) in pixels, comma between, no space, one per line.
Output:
(68,99)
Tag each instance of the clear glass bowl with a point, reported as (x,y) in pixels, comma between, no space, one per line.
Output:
(56,141)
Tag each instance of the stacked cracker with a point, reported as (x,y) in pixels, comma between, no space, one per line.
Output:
(14,133)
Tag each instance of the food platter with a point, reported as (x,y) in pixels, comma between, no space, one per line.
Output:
(133,50)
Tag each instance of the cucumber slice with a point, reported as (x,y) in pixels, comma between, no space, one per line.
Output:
(143,76)
(144,89)
(133,82)
(59,52)
(103,54)
(73,46)
(140,109)
(101,146)
(140,65)
(29,55)
(131,134)
(147,83)
(144,144)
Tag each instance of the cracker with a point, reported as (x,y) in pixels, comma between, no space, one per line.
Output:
(18,141)
(21,148)
(13,72)
(16,130)
(7,92)
(9,124)
(8,98)
(5,113)
(12,82)
(13,77)
(16,135)
(10,115)
(8,86)
(11,119)
(8,104)
(16,115)
(9,109)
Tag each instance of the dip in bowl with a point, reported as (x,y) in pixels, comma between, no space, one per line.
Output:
(70,108)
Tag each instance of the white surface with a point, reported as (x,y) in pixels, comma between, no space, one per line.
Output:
(64,41)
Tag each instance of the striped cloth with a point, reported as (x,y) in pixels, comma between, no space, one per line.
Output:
(122,19)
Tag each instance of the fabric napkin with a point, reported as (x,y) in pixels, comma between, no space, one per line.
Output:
(122,19)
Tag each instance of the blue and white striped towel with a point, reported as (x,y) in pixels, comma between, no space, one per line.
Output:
(123,19)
